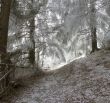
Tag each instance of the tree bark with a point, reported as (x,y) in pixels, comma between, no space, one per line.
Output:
(4,22)
(32,49)
(94,39)
(93,28)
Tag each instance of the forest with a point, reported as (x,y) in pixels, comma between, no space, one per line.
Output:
(54,51)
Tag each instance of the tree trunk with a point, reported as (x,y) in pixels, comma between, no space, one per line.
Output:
(4,21)
(32,49)
(94,39)
(93,28)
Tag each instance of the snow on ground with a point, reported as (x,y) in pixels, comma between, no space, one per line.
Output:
(86,80)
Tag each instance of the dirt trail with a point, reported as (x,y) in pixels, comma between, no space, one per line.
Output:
(86,80)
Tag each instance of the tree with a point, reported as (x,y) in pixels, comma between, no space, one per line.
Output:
(93,28)
(26,11)
(4,21)
(32,48)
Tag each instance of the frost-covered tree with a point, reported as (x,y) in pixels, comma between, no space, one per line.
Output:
(23,27)
(64,29)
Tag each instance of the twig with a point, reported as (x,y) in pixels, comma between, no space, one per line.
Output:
(5,75)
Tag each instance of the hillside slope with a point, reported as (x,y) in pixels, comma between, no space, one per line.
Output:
(86,80)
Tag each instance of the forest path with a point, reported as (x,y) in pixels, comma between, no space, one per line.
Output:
(86,80)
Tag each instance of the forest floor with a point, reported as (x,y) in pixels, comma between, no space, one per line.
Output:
(86,80)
